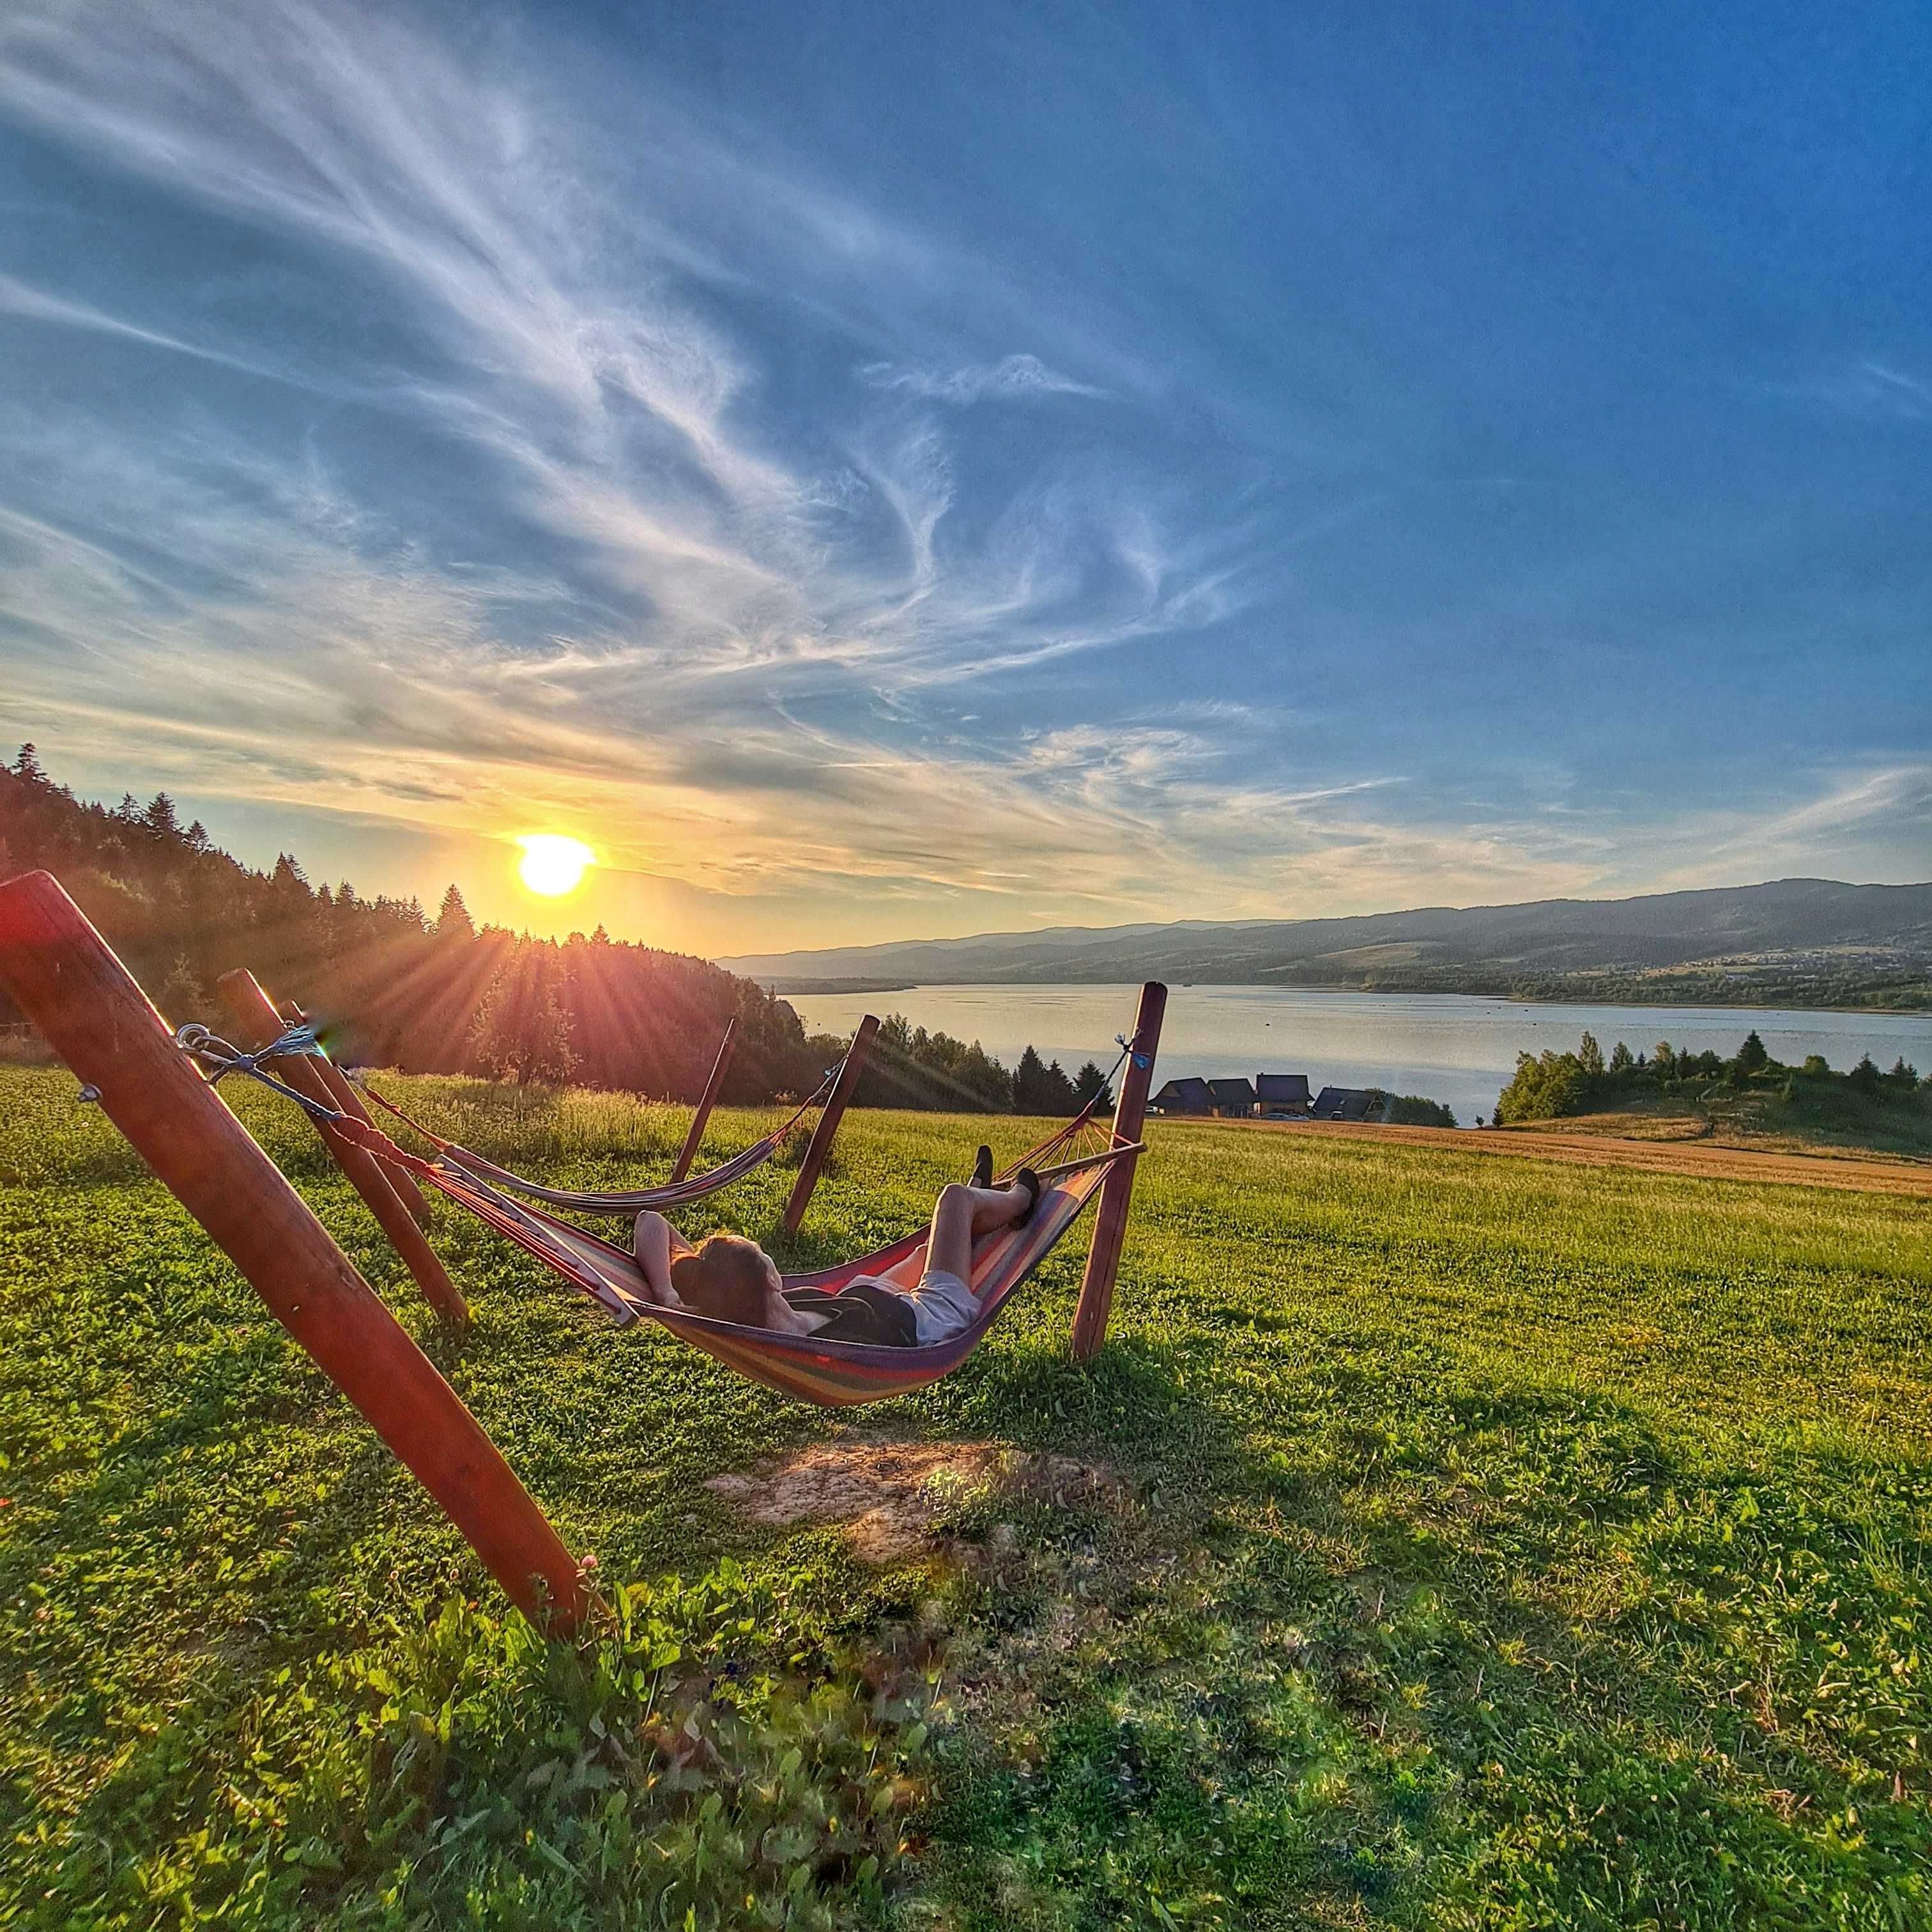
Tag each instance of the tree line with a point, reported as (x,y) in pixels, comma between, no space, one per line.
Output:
(1554,1086)
(934,1073)
(395,986)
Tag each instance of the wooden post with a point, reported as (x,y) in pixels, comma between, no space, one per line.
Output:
(836,1103)
(719,1068)
(1117,1191)
(64,977)
(257,1023)
(342,1091)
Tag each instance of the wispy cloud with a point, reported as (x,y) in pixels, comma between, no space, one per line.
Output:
(622,470)
(1012,379)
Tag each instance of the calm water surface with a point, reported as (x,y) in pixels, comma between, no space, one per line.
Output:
(1458,1050)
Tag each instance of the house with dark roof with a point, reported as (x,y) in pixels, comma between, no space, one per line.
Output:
(1281,1096)
(1234,1099)
(1343,1103)
(1190,1096)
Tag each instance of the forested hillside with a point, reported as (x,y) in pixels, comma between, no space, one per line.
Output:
(1792,942)
(396,986)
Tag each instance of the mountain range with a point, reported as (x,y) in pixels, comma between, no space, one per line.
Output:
(1790,941)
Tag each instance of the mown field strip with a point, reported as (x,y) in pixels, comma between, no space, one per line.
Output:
(1862,1173)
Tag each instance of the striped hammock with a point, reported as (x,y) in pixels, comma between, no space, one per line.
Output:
(670,1194)
(832,1375)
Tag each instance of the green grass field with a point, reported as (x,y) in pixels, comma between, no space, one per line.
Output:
(1496,1543)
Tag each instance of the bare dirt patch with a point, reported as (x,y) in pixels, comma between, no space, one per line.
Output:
(892,1494)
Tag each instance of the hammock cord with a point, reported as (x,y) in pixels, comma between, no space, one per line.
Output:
(220,1057)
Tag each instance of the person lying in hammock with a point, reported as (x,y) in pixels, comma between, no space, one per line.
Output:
(731,1279)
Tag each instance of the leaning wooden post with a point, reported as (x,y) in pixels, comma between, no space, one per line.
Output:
(256,1023)
(65,978)
(1117,1191)
(342,1091)
(835,1104)
(719,1068)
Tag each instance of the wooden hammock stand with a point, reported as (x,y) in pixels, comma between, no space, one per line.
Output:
(66,980)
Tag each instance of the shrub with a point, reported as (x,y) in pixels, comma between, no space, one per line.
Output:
(1412,1110)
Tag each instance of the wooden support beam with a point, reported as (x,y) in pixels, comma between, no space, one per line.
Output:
(836,1103)
(342,1090)
(257,1023)
(1117,1191)
(65,978)
(719,1068)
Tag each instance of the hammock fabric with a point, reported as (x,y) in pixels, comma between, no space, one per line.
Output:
(672,1194)
(831,1374)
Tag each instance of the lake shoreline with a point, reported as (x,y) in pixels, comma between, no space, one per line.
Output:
(809,989)
(1459,1049)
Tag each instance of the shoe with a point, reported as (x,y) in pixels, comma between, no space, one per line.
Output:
(982,1167)
(1031,1182)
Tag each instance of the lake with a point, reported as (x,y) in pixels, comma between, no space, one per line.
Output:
(1450,1047)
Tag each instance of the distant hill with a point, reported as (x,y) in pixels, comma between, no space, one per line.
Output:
(1800,942)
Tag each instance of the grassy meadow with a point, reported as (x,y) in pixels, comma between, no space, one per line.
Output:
(1477,1543)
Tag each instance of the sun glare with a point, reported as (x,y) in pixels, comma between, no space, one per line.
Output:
(552,865)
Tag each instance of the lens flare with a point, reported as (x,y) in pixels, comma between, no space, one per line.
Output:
(552,865)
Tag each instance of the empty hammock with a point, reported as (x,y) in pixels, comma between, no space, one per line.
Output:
(832,1375)
(671,1194)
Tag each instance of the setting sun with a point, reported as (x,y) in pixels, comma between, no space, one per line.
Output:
(552,865)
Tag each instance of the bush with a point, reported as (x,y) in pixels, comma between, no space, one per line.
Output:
(1412,1110)
(1544,1089)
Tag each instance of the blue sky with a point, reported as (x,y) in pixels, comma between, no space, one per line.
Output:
(876,472)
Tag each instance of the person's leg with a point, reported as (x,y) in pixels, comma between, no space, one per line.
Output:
(650,1242)
(962,1213)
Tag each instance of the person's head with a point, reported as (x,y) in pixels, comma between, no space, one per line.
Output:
(729,1279)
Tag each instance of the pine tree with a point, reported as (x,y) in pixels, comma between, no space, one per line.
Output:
(452,919)
(159,817)
(1089,1084)
(27,766)
(1041,1089)
(1752,1057)
(1029,1076)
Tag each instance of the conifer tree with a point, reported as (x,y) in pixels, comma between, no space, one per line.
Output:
(1090,1083)
(452,919)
